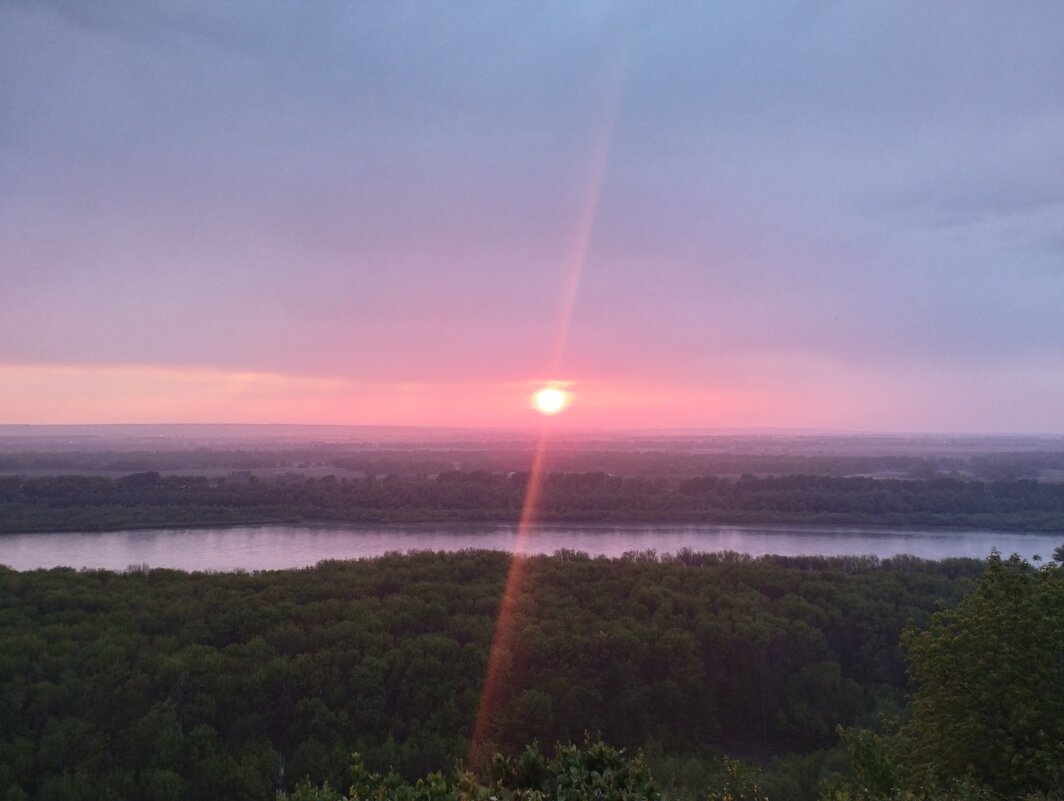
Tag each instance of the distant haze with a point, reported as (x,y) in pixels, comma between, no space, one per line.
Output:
(808,216)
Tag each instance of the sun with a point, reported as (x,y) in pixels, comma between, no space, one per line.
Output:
(550,400)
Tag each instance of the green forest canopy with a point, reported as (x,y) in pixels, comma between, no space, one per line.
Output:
(112,679)
(157,684)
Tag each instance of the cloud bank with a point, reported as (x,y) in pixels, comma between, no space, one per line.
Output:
(850,213)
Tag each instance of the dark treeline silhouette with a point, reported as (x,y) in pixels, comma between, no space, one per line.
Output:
(161,684)
(665,459)
(72,502)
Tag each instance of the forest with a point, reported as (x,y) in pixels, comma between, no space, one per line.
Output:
(145,499)
(158,684)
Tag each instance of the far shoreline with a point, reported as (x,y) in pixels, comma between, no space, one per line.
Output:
(795,526)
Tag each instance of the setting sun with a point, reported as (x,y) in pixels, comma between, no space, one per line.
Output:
(551,400)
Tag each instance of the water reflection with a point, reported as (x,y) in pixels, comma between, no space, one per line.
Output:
(274,547)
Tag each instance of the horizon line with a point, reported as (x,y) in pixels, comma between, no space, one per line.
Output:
(673,431)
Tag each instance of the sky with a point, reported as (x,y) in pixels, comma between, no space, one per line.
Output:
(809,215)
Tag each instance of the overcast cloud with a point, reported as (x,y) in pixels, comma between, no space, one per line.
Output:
(392,192)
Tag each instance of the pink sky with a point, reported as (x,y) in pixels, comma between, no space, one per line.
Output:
(771,398)
(835,217)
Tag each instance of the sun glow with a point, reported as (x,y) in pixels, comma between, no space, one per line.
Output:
(551,400)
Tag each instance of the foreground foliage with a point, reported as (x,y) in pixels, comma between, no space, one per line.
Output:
(595,771)
(159,684)
(987,722)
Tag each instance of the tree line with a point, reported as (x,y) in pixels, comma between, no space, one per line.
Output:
(73,502)
(671,458)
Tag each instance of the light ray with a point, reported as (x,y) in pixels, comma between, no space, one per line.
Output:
(577,258)
(503,637)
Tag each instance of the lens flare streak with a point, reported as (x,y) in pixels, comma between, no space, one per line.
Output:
(503,638)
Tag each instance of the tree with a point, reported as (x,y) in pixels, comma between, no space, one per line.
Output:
(988,705)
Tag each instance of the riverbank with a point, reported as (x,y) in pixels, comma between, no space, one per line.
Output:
(66,520)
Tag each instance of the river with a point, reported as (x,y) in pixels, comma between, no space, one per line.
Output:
(273,547)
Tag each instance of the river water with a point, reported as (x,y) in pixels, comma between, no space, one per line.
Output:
(281,546)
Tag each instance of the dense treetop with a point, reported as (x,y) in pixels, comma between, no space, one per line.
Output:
(158,684)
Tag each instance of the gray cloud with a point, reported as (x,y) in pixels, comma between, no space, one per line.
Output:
(203,183)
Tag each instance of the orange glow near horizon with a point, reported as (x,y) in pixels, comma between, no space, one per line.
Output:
(47,394)
(748,393)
